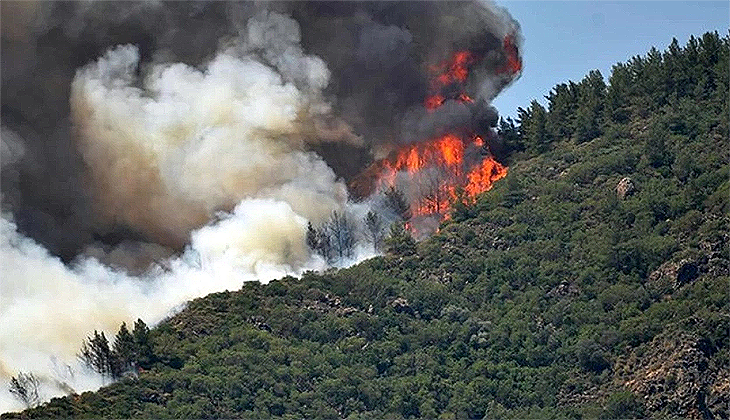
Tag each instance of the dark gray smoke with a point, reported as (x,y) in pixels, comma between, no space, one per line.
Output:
(378,55)
(169,150)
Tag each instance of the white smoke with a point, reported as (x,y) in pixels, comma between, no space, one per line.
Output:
(48,308)
(212,157)
(169,150)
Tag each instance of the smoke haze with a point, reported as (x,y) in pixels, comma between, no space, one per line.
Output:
(154,152)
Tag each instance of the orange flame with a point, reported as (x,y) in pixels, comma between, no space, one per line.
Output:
(439,170)
(514,63)
(448,168)
(449,73)
(483,176)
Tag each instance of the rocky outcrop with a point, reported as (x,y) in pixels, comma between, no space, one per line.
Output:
(674,274)
(327,303)
(625,188)
(675,377)
(401,305)
(564,289)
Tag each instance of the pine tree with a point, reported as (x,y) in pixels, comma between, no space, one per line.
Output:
(341,232)
(125,350)
(141,335)
(617,102)
(592,93)
(396,201)
(400,242)
(96,354)
(510,136)
(312,238)
(533,127)
(562,103)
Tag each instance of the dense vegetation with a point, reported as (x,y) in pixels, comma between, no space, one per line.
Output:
(544,298)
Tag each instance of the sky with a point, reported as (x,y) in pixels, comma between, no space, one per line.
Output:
(565,40)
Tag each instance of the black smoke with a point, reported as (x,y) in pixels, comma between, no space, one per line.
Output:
(379,54)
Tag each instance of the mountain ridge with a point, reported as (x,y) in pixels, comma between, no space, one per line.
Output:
(556,294)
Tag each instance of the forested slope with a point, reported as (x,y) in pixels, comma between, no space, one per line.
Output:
(591,282)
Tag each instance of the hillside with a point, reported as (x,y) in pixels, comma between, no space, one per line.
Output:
(590,282)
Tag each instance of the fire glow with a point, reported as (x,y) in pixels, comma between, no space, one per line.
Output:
(450,76)
(443,170)
(451,167)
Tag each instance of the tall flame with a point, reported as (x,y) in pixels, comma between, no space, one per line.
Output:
(439,168)
(452,167)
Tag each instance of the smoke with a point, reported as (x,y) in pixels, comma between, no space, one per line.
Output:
(48,307)
(168,150)
(153,152)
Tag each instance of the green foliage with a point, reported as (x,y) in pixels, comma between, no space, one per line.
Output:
(623,405)
(400,242)
(533,128)
(521,305)
(588,115)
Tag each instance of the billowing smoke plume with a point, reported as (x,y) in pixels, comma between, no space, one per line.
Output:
(168,150)
(153,152)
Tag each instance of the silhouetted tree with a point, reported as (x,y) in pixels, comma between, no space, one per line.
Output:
(97,355)
(141,334)
(508,132)
(341,233)
(318,241)
(24,387)
(396,201)
(374,229)
(312,238)
(125,350)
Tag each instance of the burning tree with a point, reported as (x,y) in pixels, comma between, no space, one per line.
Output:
(455,166)
(396,201)
(433,172)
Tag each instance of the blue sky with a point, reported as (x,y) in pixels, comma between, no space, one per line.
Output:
(565,40)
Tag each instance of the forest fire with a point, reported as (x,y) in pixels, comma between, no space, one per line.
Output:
(441,171)
(449,80)
(514,64)
(435,173)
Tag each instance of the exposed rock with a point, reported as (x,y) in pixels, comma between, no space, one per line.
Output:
(674,274)
(401,305)
(625,188)
(258,322)
(347,310)
(563,289)
(328,303)
(673,376)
